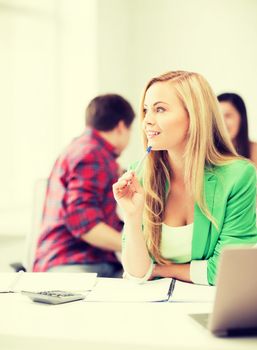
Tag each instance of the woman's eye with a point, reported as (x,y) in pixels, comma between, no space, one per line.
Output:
(144,111)
(160,109)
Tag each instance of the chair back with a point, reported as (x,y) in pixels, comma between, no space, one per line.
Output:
(37,212)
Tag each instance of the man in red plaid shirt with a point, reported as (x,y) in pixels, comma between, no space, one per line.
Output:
(80,227)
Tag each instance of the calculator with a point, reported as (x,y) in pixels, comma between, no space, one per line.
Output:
(53,297)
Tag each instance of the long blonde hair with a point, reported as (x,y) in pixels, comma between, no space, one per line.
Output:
(208,145)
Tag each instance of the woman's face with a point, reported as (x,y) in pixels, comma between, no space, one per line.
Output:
(166,120)
(232,118)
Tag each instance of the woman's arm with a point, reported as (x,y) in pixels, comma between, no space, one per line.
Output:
(239,224)
(130,197)
(177,271)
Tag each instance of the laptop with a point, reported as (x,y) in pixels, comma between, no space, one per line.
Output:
(235,305)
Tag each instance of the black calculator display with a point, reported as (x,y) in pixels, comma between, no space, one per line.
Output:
(53,296)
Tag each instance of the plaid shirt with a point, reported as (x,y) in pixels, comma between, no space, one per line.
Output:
(79,196)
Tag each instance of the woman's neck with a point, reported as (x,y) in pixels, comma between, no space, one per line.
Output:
(177,164)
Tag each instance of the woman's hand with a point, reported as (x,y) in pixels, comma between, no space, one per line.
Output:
(178,271)
(129,194)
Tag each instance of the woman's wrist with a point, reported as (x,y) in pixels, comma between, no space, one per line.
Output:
(162,271)
(132,223)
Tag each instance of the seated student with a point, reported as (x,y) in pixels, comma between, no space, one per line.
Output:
(234,111)
(194,195)
(80,227)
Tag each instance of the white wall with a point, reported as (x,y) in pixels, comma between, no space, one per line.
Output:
(77,59)
(48,74)
(116,55)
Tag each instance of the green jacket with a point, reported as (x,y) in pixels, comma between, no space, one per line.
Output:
(230,192)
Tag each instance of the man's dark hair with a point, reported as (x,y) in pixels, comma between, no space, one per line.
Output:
(104,112)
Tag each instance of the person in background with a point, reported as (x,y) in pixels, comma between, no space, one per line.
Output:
(234,111)
(80,227)
(194,196)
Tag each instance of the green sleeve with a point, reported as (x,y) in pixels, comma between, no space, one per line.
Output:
(239,225)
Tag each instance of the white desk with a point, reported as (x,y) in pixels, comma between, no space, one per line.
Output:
(25,325)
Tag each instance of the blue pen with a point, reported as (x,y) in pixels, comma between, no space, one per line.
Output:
(140,163)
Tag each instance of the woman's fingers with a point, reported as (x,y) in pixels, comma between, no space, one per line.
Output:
(124,180)
(126,176)
(127,183)
(120,188)
(122,183)
(136,185)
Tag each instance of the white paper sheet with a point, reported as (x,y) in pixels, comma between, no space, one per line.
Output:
(189,292)
(122,290)
(41,281)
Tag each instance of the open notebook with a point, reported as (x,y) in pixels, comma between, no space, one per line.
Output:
(122,290)
(165,289)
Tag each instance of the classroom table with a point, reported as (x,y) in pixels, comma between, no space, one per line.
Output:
(108,326)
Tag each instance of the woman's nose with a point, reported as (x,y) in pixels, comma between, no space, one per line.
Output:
(149,118)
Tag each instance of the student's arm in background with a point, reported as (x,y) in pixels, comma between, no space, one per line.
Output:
(103,236)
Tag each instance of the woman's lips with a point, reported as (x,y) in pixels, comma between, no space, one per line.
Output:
(151,134)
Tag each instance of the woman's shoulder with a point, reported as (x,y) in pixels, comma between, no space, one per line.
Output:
(253,152)
(236,175)
(240,168)
(237,165)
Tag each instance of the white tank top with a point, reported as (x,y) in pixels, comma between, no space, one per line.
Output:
(176,243)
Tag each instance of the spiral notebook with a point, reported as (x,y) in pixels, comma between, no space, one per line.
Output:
(122,290)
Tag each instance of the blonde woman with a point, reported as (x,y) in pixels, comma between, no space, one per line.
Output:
(194,195)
